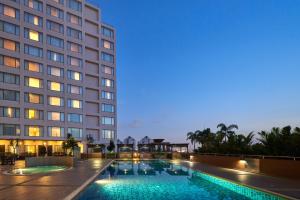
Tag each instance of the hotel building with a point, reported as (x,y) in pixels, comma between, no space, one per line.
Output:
(57,75)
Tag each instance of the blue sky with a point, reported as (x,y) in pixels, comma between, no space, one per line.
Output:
(184,65)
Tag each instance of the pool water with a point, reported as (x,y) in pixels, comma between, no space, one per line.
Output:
(37,170)
(159,179)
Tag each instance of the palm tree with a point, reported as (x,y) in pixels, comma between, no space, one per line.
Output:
(192,136)
(225,131)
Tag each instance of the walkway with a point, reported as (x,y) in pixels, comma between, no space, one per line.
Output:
(278,185)
(51,186)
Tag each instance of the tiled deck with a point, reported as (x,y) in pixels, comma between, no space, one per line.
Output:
(282,186)
(51,186)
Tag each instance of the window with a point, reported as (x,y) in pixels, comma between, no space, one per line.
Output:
(108,134)
(108,108)
(77,76)
(55,71)
(107,82)
(9,61)
(55,41)
(107,95)
(76,62)
(9,45)
(56,116)
(9,78)
(75,118)
(74,33)
(56,27)
(10,130)
(107,44)
(34,114)
(107,32)
(56,57)
(33,82)
(34,4)
(9,28)
(33,35)
(72,103)
(59,1)
(33,98)
(55,86)
(9,95)
(55,12)
(73,19)
(10,112)
(34,131)
(75,132)
(77,48)
(33,66)
(74,5)
(107,70)
(108,120)
(33,19)
(55,131)
(9,11)
(55,101)
(107,57)
(33,51)
(72,89)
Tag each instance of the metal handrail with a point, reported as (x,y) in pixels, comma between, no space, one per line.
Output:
(252,156)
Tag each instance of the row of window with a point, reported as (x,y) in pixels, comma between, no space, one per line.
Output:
(53,131)
(12,95)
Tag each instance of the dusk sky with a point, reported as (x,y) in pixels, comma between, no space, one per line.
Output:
(184,65)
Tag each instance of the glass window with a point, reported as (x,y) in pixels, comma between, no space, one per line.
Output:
(55,86)
(34,4)
(56,27)
(55,131)
(108,120)
(9,61)
(77,76)
(73,19)
(33,19)
(73,103)
(34,131)
(107,82)
(56,116)
(9,45)
(107,44)
(9,11)
(33,35)
(107,57)
(10,112)
(75,132)
(72,89)
(107,32)
(76,62)
(33,82)
(108,134)
(107,70)
(77,48)
(9,78)
(55,41)
(10,130)
(34,114)
(75,5)
(9,95)
(55,101)
(33,98)
(55,12)
(55,71)
(108,108)
(59,1)
(75,118)
(33,66)
(9,28)
(33,51)
(74,33)
(56,57)
(107,95)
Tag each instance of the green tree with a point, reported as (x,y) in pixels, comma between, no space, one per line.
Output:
(192,136)
(225,131)
(70,143)
(111,146)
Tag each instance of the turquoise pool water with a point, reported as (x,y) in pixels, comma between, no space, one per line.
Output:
(37,170)
(163,180)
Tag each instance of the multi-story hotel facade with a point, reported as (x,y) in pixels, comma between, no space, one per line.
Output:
(57,75)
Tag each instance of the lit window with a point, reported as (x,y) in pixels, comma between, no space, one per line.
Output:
(34,35)
(34,114)
(108,70)
(31,114)
(33,82)
(33,66)
(9,61)
(9,11)
(55,101)
(55,71)
(34,131)
(107,82)
(10,45)
(107,45)
(55,86)
(56,116)
(33,98)
(72,103)
(55,131)
(36,20)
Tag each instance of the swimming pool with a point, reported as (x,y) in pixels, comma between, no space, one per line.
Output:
(160,179)
(37,170)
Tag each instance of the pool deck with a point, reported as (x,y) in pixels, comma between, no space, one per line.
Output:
(287,187)
(51,186)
